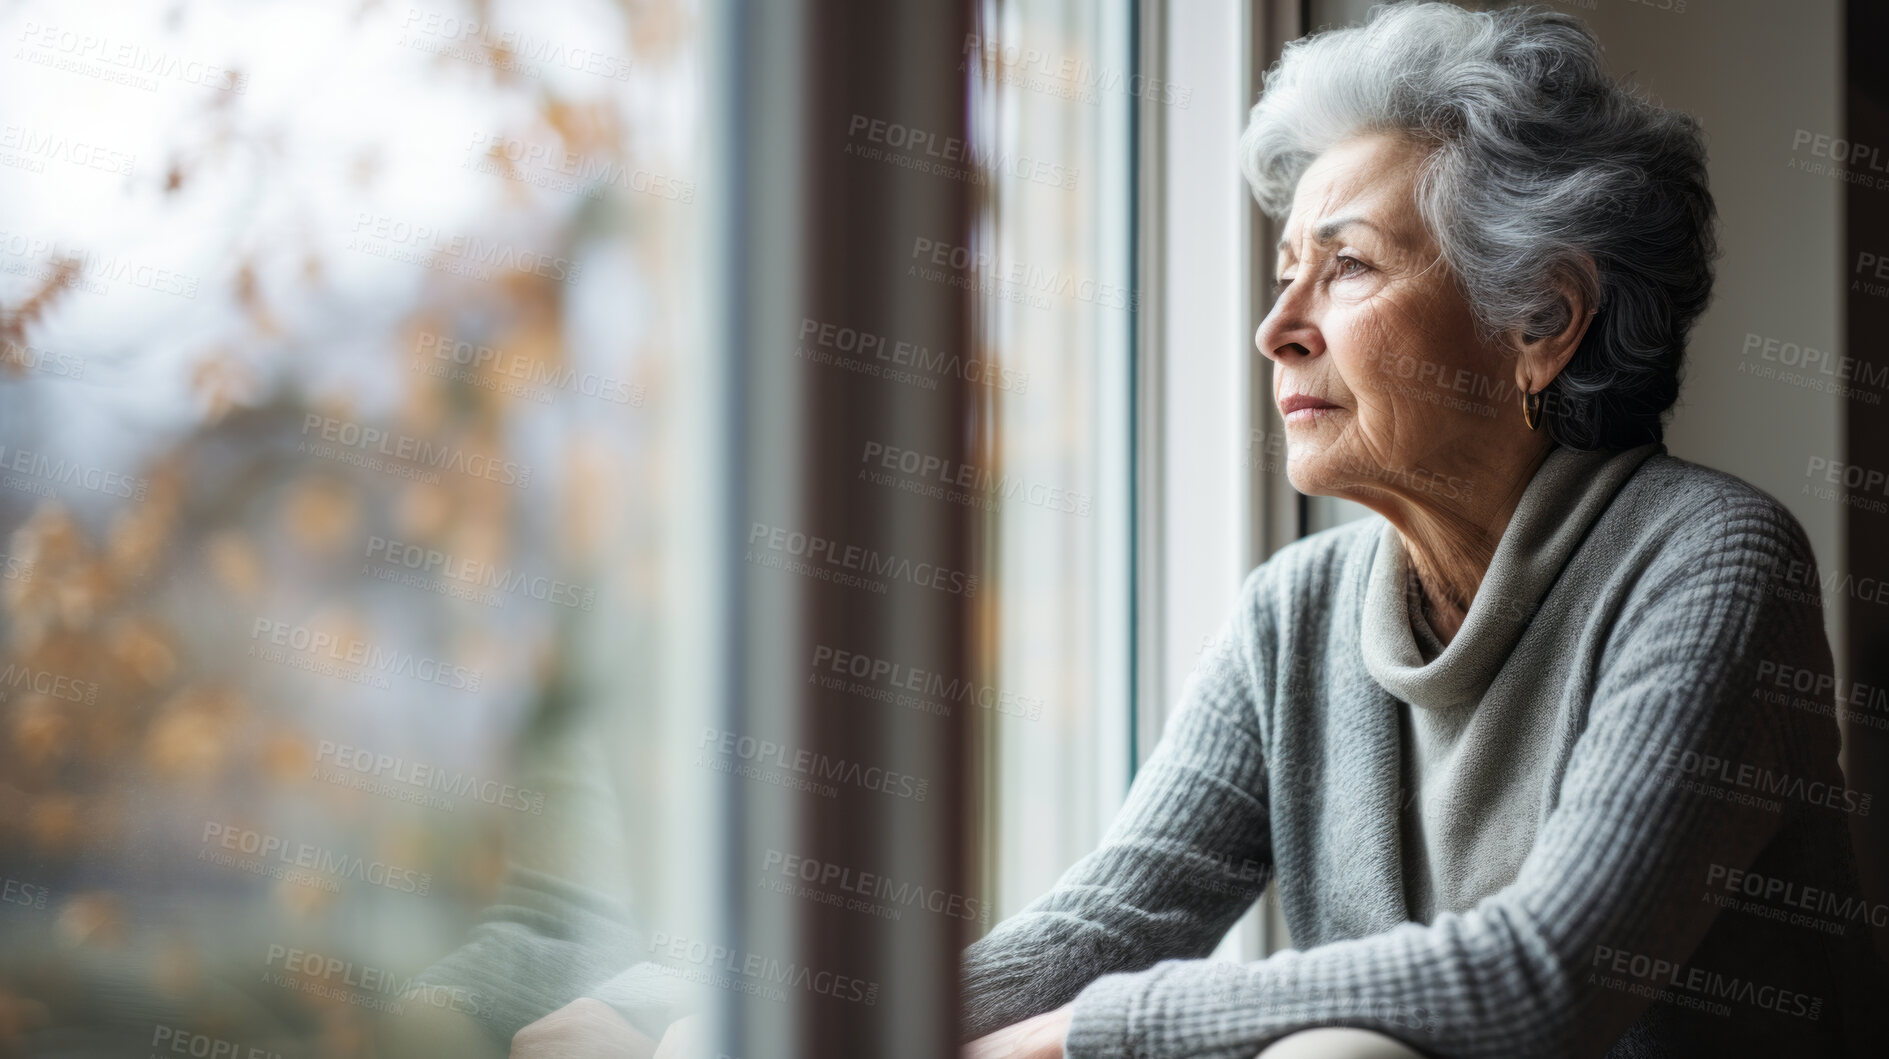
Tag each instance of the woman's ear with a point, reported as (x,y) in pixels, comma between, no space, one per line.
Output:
(1545,351)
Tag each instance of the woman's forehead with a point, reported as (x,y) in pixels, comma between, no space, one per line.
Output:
(1370,178)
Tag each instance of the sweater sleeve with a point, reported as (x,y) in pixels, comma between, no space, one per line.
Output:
(544,943)
(1186,856)
(1547,965)
(559,929)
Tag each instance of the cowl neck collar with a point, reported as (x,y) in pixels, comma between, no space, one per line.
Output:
(1557,509)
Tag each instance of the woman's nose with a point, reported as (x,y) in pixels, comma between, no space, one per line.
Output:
(1286,334)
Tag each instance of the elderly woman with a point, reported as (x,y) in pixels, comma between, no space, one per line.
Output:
(1513,750)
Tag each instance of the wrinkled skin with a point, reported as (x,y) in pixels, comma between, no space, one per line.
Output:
(1427,429)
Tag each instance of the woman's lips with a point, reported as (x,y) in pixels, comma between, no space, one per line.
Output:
(1304,408)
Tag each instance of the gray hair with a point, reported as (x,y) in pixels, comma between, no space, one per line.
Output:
(1538,162)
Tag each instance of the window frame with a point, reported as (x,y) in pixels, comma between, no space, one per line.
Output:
(1211,497)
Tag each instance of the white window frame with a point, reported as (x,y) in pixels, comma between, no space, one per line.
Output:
(1213,498)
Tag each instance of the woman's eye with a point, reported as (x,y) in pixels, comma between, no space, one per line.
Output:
(1349,266)
(1279,285)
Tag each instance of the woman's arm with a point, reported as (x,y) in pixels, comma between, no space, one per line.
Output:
(1186,856)
(1618,868)
(545,942)
(554,933)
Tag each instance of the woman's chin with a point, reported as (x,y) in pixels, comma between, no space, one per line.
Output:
(1307,476)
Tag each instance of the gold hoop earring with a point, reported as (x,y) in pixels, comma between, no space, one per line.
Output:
(1531,409)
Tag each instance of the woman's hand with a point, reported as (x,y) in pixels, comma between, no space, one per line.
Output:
(1036,1038)
(581,1029)
(685,1039)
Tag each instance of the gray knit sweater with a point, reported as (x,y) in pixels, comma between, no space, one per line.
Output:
(1601,821)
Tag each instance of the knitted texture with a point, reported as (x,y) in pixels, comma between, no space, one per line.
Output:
(1480,745)
(1659,661)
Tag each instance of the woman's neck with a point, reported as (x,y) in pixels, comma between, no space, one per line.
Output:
(1449,560)
(1451,541)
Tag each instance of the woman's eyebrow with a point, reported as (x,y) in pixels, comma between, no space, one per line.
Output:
(1328,229)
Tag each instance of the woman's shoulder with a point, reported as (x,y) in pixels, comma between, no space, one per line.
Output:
(1701,506)
(1686,520)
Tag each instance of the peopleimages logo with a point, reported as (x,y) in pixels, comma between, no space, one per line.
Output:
(521,47)
(948,156)
(1067,76)
(1423,479)
(961,483)
(747,748)
(80,49)
(94,270)
(899,360)
(876,887)
(1710,769)
(549,166)
(1848,483)
(38,465)
(1810,681)
(169,1040)
(23,357)
(528,371)
(31,149)
(483,575)
(366,770)
(761,972)
(363,985)
(390,237)
(360,439)
(15,892)
(274,852)
(821,553)
(18,677)
(896,677)
(1014,280)
(326,646)
(1852,162)
(1843,907)
(14,568)
(1838,366)
(1659,979)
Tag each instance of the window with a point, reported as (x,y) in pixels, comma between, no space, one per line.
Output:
(1053,119)
(344,350)
(1208,499)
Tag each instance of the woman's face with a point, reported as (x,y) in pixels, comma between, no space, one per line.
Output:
(1371,334)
